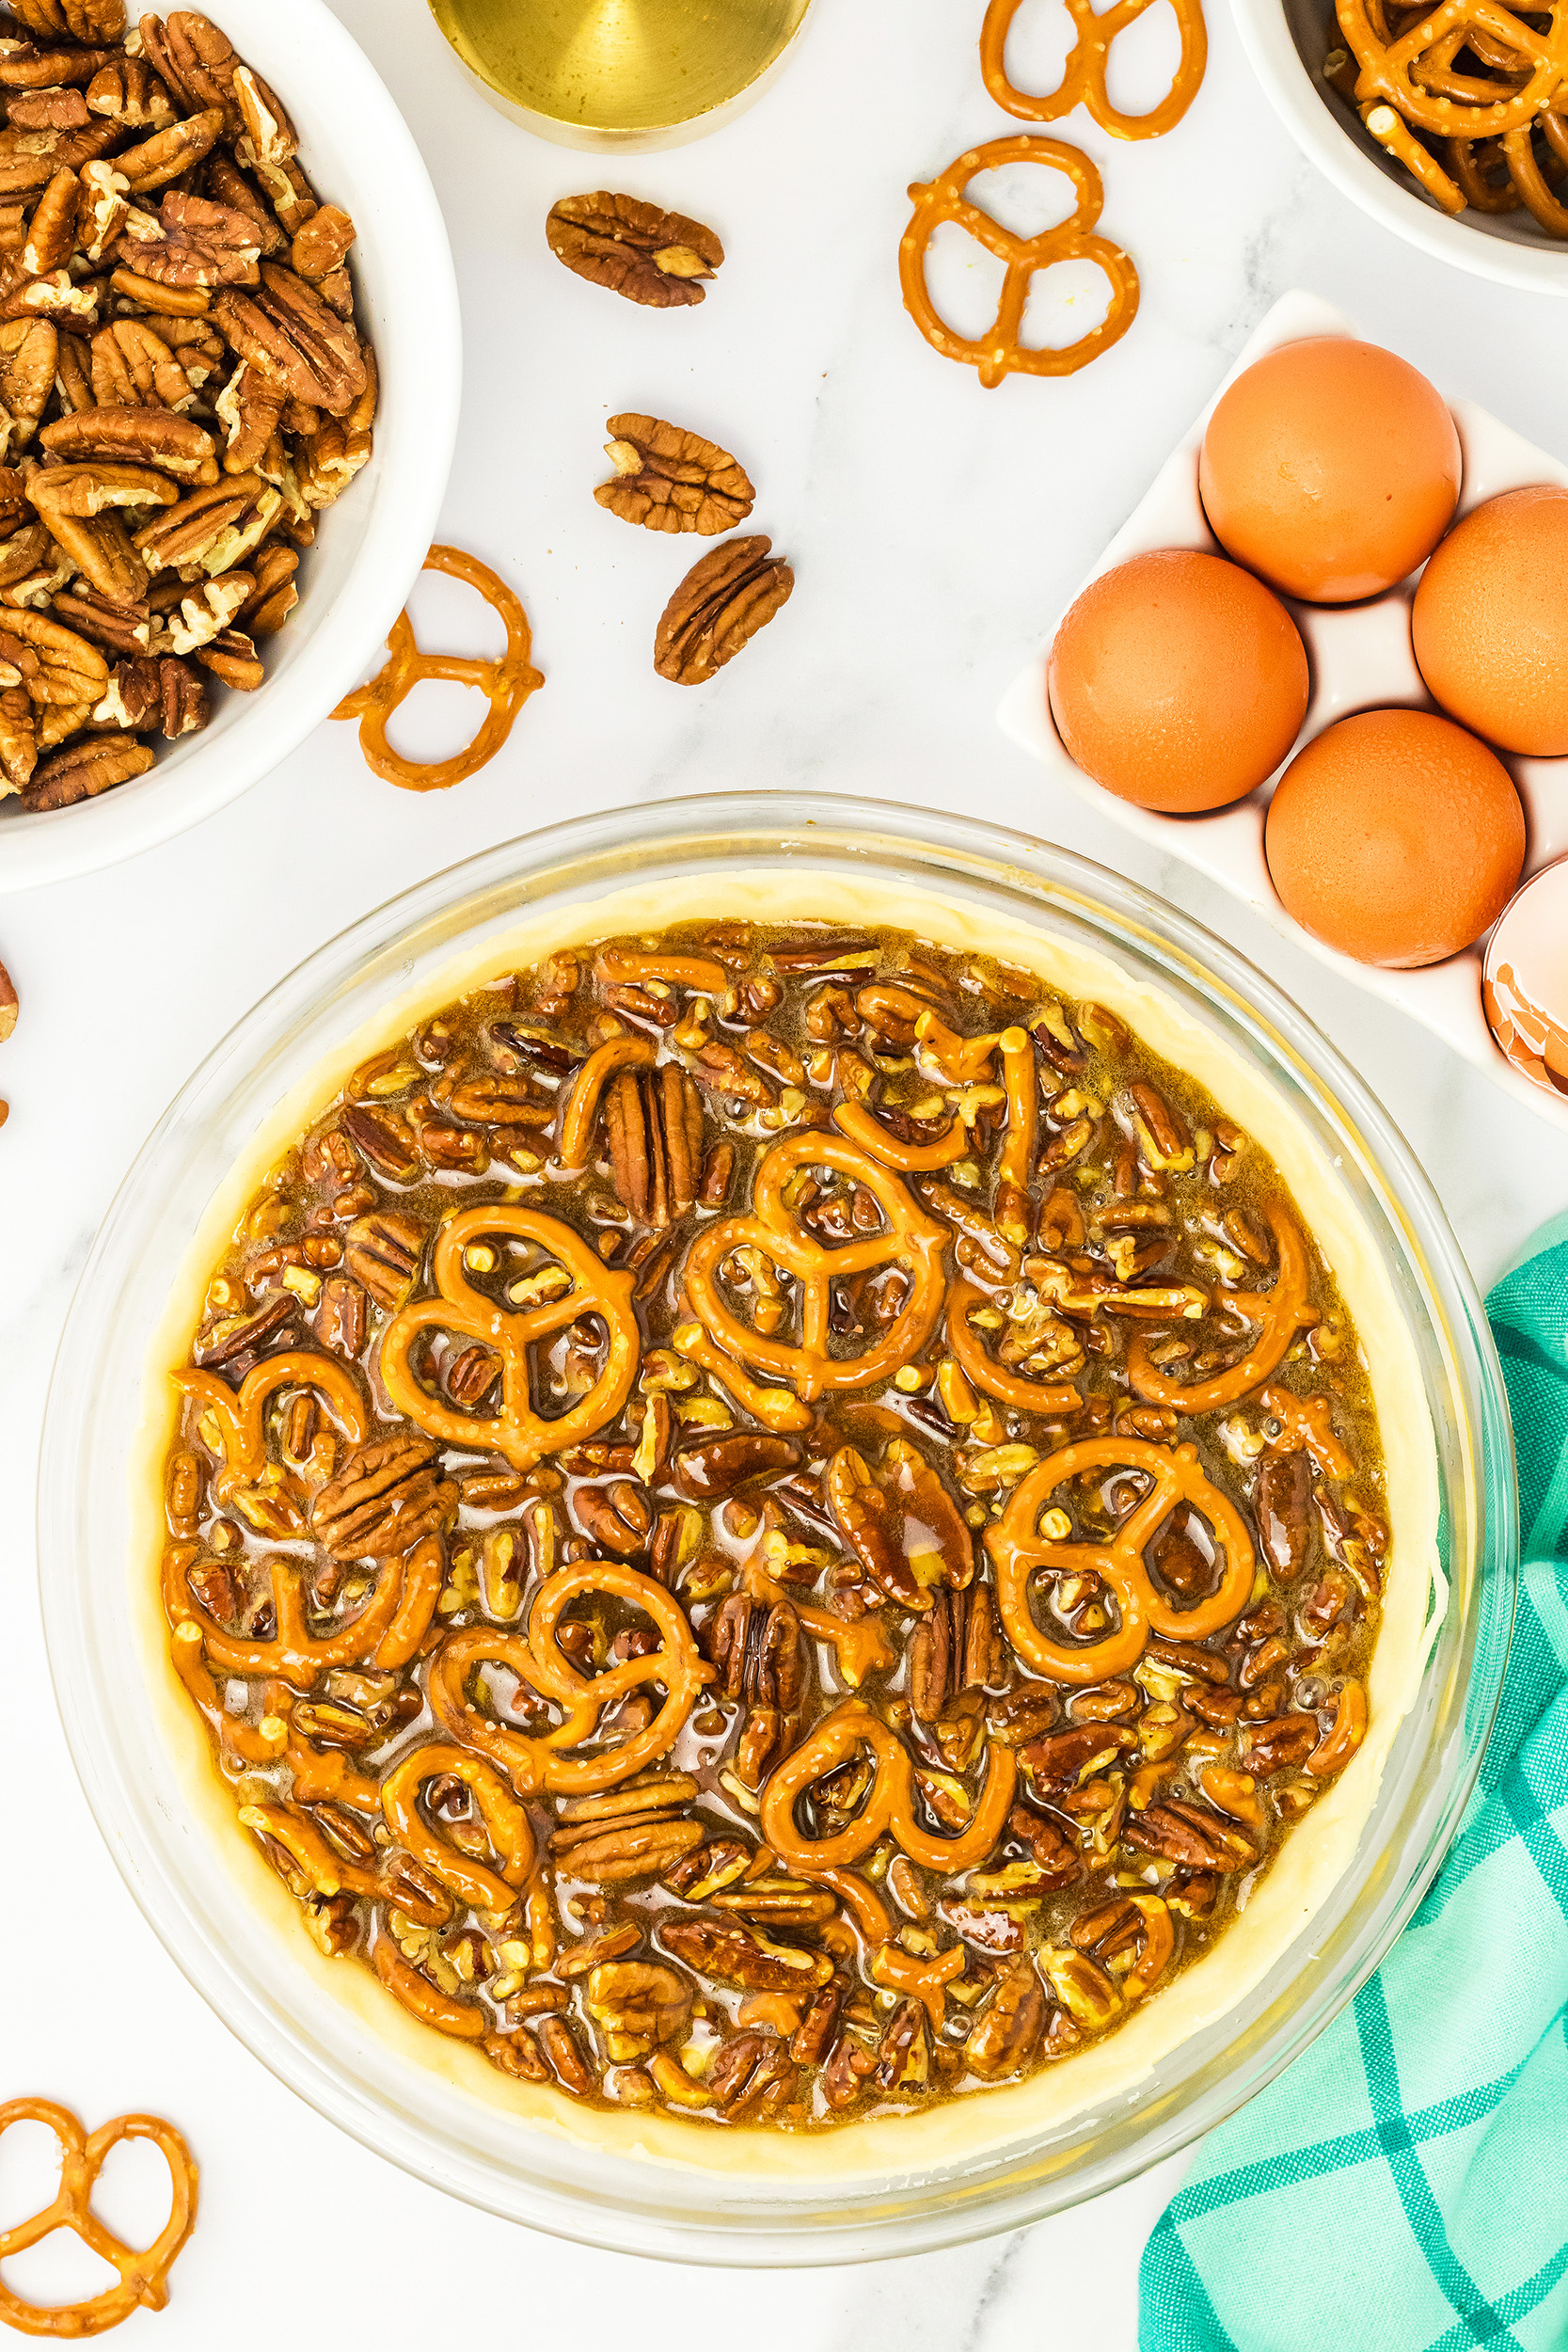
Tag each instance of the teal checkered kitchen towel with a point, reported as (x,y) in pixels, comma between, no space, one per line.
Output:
(1403,2186)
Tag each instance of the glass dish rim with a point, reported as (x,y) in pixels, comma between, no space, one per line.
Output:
(730,827)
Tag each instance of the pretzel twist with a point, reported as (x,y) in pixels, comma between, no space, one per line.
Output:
(1018,1549)
(1082,80)
(142,2274)
(292,1651)
(510,1830)
(506,684)
(1280,1314)
(1395,70)
(241,1416)
(516,1431)
(1000,353)
(536,1763)
(890,1806)
(913,1242)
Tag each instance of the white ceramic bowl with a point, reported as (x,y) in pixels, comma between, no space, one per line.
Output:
(1286,42)
(359,153)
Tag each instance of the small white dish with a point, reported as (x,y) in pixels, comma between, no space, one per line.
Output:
(359,152)
(1286,42)
(1361,659)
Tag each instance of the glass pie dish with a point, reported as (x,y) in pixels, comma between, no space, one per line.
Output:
(1311,1931)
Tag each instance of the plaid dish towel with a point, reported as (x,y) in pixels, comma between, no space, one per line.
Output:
(1403,2186)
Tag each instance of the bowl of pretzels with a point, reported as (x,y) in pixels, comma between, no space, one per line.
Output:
(230,371)
(1450,129)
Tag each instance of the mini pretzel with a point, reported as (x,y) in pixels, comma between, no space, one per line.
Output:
(508,683)
(1018,1549)
(1280,1313)
(1000,353)
(142,2274)
(510,1832)
(1082,79)
(890,1805)
(536,1763)
(866,1131)
(1394,71)
(914,1242)
(466,2020)
(1010,1388)
(517,1432)
(242,1416)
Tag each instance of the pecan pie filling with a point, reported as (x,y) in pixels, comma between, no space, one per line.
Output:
(774,1525)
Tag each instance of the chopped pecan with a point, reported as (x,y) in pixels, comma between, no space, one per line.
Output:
(649,256)
(654,1130)
(1065,1759)
(726,596)
(387,1496)
(727,1954)
(667,479)
(904,2055)
(1192,1836)
(636,2005)
(813,2038)
(235,1341)
(1052,1852)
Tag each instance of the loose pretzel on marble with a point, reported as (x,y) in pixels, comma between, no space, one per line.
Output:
(516,1431)
(722,1346)
(536,1763)
(506,683)
(1018,1549)
(1280,1314)
(889,1807)
(1082,79)
(142,2274)
(1000,353)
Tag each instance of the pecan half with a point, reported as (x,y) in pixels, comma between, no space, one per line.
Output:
(752,2076)
(387,1496)
(1008,2029)
(1283,1506)
(711,1468)
(653,1129)
(145,437)
(901,1523)
(726,1954)
(757,1648)
(1192,1836)
(291,335)
(726,596)
(84,769)
(384,1252)
(667,479)
(649,256)
(191,241)
(636,2005)
(638,1831)
(1064,1759)
(958,1646)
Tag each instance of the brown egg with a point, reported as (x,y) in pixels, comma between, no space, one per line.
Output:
(1177,681)
(1395,836)
(1525,986)
(1490,623)
(1331,468)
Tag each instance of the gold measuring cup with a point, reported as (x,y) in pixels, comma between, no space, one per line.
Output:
(621,73)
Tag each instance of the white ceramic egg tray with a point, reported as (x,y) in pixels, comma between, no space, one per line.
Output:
(1360,658)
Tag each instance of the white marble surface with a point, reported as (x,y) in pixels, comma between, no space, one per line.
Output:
(933,527)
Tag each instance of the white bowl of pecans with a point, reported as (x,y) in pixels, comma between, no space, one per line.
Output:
(229,374)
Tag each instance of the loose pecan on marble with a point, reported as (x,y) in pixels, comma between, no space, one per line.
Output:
(667,479)
(649,256)
(726,596)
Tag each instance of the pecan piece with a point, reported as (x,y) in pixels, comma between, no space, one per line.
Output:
(813,2038)
(634,249)
(667,479)
(901,1524)
(385,1137)
(233,658)
(118,434)
(653,1129)
(18,749)
(84,769)
(636,2005)
(726,596)
(1065,1759)
(167,153)
(384,1252)
(1052,1850)
(712,1468)
(1192,1836)
(849,2066)
(727,1954)
(190,242)
(1282,1504)
(165,694)
(130,93)
(752,2075)
(1009,2030)
(904,2055)
(387,1496)
(618,1517)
